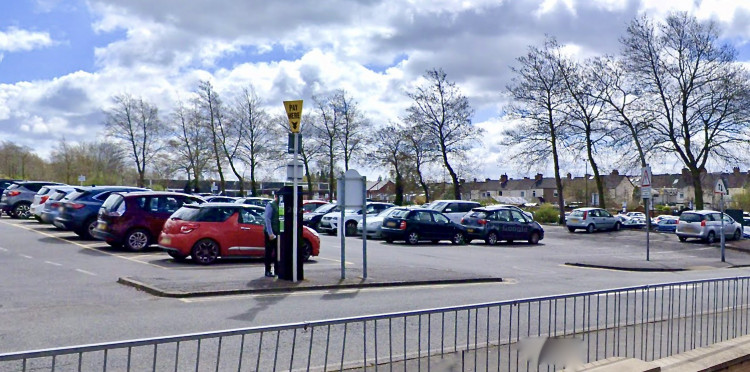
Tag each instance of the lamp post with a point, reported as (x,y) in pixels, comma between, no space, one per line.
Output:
(586,180)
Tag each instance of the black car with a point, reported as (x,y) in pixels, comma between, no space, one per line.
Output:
(415,225)
(493,224)
(312,219)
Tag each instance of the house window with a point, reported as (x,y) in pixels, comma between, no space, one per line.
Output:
(554,193)
(500,193)
(533,193)
(682,195)
(523,194)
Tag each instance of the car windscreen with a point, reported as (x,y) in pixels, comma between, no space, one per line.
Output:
(325,208)
(438,206)
(186,213)
(112,202)
(399,213)
(386,212)
(691,217)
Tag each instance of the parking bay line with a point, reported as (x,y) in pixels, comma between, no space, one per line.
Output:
(25,256)
(86,272)
(3,249)
(53,263)
(81,245)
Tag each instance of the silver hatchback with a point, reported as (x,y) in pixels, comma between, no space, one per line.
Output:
(592,219)
(706,225)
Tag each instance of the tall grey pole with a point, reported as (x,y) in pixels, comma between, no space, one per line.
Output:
(648,228)
(364,227)
(342,205)
(294,209)
(723,259)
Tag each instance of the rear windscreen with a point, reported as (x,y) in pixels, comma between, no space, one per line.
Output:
(43,191)
(112,202)
(576,213)
(477,214)
(13,186)
(76,194)
(399,213)
(186,214)
(57,195)
(691,217)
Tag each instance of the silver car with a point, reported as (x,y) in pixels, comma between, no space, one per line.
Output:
(706,225)
(592,219)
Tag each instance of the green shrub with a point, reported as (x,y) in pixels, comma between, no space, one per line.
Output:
(547,213)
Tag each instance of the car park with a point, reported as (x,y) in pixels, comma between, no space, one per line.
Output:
(419,224)
(592,219)
(135,220)
(495,223)
(311,205)
(210,231)
(454,209)
(43,195)
(78,212)
(706,225)
(352,218)
(312,219)
(253,200)
(17,198)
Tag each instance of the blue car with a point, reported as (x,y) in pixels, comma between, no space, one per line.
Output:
(667,225)
(79,210)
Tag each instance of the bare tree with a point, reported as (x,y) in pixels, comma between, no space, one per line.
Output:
(422,152)
(326,125)
(699,94)
(191,144)
(210,106)
(389,148)
(136,124)
(257,133)
(353,126)
(584,108)
(539,100)
(441,110)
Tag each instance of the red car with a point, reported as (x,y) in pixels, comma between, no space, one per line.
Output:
(212,230)
(135,220)
(311,205)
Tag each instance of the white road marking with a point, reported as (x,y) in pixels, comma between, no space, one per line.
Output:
(3,249)
(25,256)
(53,263)
(86,272)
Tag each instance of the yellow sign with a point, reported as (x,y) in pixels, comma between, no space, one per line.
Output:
(294,113)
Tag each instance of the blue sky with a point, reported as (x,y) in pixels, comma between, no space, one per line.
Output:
(62,60)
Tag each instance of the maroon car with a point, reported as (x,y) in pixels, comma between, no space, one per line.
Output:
(134,220)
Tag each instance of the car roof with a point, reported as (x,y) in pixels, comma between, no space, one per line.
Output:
(586,209)
(107,188)
(49,183)
(151,193)
(453,201)
(227,204)
(496,207)
(702,211)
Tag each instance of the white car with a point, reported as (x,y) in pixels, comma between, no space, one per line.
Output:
(44,194)
(352,218)
(706,225)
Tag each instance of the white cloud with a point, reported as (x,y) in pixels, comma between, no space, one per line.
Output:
(14,40)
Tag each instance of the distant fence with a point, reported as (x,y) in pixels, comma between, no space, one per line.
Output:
(646,322)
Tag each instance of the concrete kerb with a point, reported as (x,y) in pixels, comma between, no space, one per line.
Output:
(153,290)
(622,268)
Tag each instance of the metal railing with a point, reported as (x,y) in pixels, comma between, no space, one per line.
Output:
(646,322)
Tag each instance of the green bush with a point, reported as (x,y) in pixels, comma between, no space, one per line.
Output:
(547,213)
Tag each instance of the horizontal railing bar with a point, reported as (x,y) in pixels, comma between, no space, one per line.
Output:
(320,323)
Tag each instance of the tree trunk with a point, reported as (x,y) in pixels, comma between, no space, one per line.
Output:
(424,185)
(556,163)
(399,200)
(330,176)
(696,173)
(454,176)
(253,184)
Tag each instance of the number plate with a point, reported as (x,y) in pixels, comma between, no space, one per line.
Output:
(166,240)
(391,224)
(101,226)
(470,230)
(575,220)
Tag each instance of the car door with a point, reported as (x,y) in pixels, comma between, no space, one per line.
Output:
(157,212)
(608,220)
(442,228)
(249,229)
(728,226)
(421,221)
(519,225)
(503,225)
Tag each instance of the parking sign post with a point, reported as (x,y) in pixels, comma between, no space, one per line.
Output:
(721,189)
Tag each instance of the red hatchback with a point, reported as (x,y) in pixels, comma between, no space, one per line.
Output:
(135,220)
(212,230)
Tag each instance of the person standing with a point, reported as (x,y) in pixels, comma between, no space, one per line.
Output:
(271,232)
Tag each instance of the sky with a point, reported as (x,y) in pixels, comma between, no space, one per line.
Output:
(61,61)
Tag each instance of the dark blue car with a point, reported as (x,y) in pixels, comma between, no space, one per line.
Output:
(79,212)
(495,223)
(667,225)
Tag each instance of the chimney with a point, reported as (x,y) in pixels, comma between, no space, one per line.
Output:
(615,172)
(487,180)
(475,180)
(570,176)
(504,178)
(538,177)
(526,178)
(736,171)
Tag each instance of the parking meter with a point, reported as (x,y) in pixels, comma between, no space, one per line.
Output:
(286,199)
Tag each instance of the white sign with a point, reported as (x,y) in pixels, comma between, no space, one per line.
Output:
(646,193)
(81,178)
(290,171)
(353,191)
(646,182)
(721,187)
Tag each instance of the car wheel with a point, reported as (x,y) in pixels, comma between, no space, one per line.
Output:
(21,210)
(306,251)
(682,238)
(137,240)
(389,241)
(590,228)
(572,229)
(534,238)
(205,251)
(176,256)
(617,227)
(737,235)
(435,241)
(491,238)
(458,238)
(88,229)
(115,245)
(412,238)
(711,238)
(351,228)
